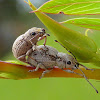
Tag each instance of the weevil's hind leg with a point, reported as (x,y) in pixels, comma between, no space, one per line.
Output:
(70,71)
(44,72)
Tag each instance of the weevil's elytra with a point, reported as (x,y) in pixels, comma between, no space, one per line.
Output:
(46,57)
(24,42)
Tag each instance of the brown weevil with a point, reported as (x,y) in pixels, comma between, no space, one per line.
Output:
(24,43)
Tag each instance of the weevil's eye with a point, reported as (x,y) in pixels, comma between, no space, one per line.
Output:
(43,30)
(69,62)
(33,33)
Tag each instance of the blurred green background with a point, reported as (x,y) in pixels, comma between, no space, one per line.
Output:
(15,19)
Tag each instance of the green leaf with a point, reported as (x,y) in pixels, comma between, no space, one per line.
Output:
(18,72)
(71,7)
(80,45)
(91,23)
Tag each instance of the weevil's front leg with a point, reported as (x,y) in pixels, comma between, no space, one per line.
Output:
(29,52)
(70,71)
(36,69)
(45,38)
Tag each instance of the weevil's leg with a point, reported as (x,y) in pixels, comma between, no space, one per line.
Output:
(44,72)
(45,40)
(22,58)
(36,69)
(29,52)
(70,71)
(86,67)
(34,47)
(44,37)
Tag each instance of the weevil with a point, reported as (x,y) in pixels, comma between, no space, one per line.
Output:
(22,46)
(47,57)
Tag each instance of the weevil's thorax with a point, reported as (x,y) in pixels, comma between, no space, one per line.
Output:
(66,61)
(33,32)
(60,61)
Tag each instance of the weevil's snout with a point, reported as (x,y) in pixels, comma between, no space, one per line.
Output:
(77,65)
(42,32)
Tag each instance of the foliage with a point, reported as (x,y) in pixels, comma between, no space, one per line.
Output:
(81,46)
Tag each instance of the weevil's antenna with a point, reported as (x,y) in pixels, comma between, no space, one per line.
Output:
(79,68)
(48,34)
(65,48)
(86,67)
(87,80)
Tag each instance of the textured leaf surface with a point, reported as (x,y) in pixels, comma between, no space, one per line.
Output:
(91,23)
(16,71)
(81,46)
(71,7)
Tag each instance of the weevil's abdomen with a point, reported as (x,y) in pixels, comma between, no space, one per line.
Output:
(20,47)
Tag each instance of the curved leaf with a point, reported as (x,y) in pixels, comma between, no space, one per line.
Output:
(16,71)
(71,7)
(81,46)
(91,23)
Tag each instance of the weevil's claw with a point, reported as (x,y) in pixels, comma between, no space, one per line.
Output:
(32,70)
(40,77)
